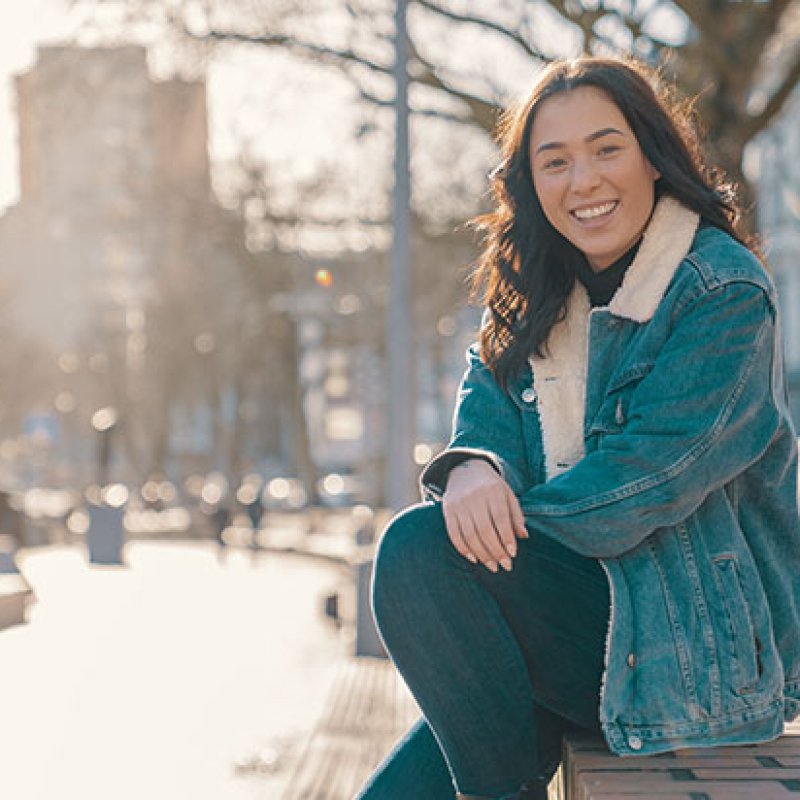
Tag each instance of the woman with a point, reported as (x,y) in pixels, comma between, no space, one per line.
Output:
(611,539)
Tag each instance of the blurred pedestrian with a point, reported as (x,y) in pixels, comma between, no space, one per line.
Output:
(249,497)
(220,516)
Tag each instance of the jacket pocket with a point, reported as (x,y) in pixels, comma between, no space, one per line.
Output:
(743,644)
(612,414)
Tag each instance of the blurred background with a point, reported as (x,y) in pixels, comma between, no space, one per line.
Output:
(197,278)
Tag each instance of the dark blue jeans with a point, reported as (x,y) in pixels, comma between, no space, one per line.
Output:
(501,664)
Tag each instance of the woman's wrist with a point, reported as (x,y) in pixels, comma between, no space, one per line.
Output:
(471,464)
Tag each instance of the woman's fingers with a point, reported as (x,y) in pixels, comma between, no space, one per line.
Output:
(456,536)
(476,543)
(517,517)
(491,541)
(504,529)
(482,515)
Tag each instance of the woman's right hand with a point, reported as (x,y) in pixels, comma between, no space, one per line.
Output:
(482,514)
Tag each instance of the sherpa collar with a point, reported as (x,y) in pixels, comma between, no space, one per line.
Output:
(559,378)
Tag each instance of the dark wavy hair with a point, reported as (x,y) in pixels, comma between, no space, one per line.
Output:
(515,276)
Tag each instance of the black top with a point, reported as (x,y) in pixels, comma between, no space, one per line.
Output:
(602,285)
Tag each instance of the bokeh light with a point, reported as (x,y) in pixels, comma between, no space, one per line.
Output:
(324,278)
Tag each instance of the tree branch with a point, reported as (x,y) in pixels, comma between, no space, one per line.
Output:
(583,19)
(701,15)
(417,112)
(486,24)
(306,219)
(754,125)
(315,52)
(483,112)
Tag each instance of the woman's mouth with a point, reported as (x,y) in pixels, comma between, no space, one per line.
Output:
(593,216)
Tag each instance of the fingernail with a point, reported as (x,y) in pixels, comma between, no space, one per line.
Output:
(506,562)
(472,558)
(492,566)
(525,534)
(512,549)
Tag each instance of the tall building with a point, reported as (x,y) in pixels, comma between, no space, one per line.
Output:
(110,161)
(778,148)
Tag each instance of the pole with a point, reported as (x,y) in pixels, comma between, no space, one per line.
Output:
(399,341)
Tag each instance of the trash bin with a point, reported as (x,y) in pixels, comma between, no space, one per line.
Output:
(106,534)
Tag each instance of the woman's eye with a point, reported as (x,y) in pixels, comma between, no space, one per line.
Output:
(608,149)
(555,163)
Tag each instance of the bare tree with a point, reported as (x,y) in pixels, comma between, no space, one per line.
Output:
(716,50)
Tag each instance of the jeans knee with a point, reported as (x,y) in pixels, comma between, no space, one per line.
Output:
(414,543)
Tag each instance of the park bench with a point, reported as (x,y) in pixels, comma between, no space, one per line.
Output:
(769,771)
(369,707)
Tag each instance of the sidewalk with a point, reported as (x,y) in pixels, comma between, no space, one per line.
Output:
(177,676)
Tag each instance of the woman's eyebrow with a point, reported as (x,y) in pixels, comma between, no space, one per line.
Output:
(590,138)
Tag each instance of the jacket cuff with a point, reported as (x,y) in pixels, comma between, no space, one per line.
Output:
(433,479)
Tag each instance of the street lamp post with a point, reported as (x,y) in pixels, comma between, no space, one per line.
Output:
(399,340)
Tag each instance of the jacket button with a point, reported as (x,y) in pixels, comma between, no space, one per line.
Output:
(529,395)
(635,743)
(631,659)
(613,324)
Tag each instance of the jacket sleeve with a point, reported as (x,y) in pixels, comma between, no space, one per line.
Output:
(486,424)
(701,415)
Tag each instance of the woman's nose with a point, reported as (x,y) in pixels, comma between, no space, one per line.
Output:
(584,177)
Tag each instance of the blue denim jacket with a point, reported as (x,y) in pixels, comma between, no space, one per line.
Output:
(656,437)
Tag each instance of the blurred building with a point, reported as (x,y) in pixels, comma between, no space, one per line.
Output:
(776,152)
(116,218)
(339,306)
(118,258)
(108,157)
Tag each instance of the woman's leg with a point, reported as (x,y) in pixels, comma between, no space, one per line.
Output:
(415,768)
(480,651)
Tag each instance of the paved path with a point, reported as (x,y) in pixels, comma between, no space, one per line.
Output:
(154,680)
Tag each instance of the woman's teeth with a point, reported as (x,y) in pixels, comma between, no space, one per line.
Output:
(596,211)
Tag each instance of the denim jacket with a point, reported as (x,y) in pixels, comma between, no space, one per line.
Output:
(655,436)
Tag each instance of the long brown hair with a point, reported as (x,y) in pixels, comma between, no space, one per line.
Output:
(526,270)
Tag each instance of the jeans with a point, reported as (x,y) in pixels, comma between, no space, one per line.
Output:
(501,664)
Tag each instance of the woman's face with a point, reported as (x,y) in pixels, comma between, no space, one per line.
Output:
(594,183)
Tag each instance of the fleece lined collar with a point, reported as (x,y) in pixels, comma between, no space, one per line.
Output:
(560,377)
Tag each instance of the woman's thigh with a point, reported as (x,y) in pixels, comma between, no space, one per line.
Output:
(554,601)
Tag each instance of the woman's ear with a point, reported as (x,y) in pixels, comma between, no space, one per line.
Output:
(653,171)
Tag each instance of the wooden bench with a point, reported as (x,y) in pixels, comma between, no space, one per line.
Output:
(368,709)
(769,771)
(15,595)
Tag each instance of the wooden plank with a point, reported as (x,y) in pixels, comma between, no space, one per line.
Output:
(591,787)
(368,710)
(724,793)
(588,761)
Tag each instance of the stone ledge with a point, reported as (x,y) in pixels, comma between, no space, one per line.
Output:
(15,596)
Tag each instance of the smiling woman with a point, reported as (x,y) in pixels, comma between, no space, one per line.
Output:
(611,539)
(595,185)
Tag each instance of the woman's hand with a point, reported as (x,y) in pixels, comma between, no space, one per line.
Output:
(482,514)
